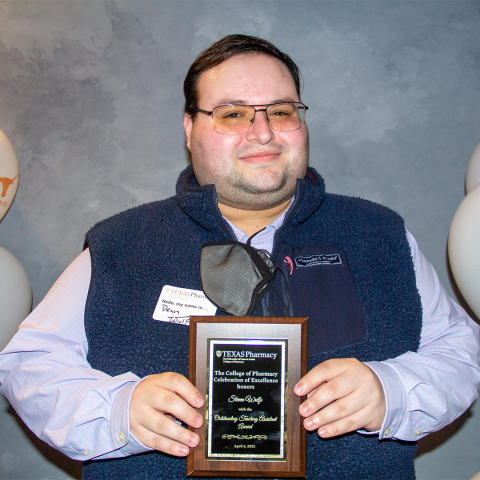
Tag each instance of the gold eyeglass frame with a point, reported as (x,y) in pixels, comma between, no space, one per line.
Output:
(255,110)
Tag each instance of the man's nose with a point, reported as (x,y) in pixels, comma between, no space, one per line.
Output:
(260,130)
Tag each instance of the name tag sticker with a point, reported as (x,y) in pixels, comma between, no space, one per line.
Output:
(319,259)
(175,305)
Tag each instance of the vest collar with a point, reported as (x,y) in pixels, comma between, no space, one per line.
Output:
(200,202)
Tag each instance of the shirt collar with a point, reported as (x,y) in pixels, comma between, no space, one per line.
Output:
(264,239)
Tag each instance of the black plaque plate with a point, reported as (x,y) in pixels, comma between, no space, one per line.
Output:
(246,399)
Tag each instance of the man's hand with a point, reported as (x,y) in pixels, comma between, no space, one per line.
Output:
(344,395)
(155,401)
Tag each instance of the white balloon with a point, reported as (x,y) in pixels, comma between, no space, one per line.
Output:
(464,248)
(9,174)
(15,296)
(472,178)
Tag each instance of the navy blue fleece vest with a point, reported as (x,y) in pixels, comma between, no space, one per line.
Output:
(349,269)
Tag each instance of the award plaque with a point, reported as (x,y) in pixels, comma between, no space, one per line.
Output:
(245,368)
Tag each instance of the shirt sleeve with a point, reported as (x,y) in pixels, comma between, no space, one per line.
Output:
(45,375)
(428,389)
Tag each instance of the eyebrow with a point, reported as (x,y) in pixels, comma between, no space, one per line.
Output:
(236,101)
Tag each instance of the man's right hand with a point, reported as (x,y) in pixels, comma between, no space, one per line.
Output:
(157,399)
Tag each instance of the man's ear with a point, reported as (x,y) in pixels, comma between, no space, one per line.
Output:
(188,124)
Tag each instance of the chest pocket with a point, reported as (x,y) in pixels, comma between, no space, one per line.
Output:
(322,288)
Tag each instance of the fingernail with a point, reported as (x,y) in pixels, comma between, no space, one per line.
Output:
(304,409)
(199,400)
(322,432)
(308,424)
(184,450)
(299,389)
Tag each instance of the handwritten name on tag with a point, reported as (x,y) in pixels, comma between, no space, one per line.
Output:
(175,305)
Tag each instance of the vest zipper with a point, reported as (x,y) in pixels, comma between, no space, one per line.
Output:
(222,222)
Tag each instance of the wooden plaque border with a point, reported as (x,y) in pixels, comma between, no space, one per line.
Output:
(294,329)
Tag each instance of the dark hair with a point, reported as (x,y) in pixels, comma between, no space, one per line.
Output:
(224,49)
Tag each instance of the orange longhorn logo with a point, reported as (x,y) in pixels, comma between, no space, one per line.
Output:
(6,182)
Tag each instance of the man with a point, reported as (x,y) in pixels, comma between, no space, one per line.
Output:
(386,363)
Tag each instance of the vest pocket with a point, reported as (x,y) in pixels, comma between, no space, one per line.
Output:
(322,288)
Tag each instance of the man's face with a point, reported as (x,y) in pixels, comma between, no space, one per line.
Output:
(258,169)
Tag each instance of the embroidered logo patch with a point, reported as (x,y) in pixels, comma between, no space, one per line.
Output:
(319,259)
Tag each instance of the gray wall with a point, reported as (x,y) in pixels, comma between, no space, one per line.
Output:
(91,98)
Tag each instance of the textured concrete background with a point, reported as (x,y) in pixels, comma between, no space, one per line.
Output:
(91,98)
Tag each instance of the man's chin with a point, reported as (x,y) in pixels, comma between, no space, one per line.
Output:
(257,198)
(266,183)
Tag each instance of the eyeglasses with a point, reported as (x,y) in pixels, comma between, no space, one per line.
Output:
(236,119)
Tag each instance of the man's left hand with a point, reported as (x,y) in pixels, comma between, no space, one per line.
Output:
(344,395)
